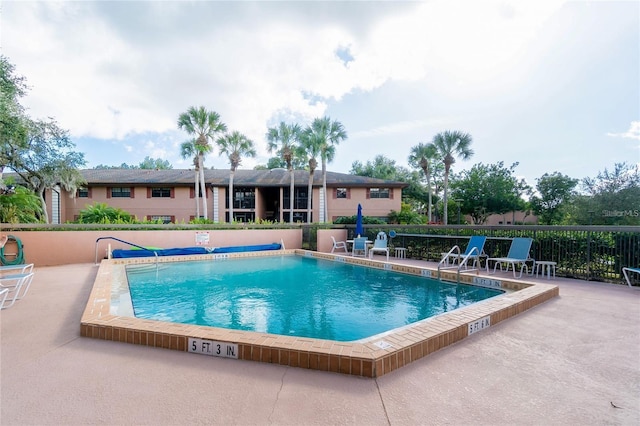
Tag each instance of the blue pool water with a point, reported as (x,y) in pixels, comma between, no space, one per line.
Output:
(293,295)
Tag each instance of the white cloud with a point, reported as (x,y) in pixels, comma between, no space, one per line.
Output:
(123,71)
(632,133)
(106,80)
(399,127)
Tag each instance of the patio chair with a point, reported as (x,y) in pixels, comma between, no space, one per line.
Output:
(475,248)
(16,286)
(380,245)
(339,245)
(359,248)
(16,272)
(625,272)
(518,255)
(4,292)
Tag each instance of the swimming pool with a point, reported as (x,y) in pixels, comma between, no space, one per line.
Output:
(108,315)
(294,296)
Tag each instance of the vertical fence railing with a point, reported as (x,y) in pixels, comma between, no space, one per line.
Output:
(595,253)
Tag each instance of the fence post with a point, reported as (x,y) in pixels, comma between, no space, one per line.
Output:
(591,213)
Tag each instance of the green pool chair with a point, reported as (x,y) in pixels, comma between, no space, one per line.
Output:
(518,255)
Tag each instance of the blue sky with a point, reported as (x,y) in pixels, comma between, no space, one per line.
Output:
(552,85)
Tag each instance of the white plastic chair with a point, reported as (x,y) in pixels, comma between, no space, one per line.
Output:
(339,245)
(16,272)
(16,286)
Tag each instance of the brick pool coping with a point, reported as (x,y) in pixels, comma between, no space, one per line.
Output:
(372,357)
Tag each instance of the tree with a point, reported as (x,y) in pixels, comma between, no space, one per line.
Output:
(310,144)
(611,197)
(299,162)
(448,145)
(556,190)
(124,166)
(283,139)
(327,134)
(188,150)
(204,126)
(489,189)
(13,122)
(155,164)
(423,156)
(22,206)
(385,168)
(405,216)
(380,168)
(46,160)
(235,145)
(148,164)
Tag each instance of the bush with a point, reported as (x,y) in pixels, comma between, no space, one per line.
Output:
(351,220)
(406,215)
(103,213)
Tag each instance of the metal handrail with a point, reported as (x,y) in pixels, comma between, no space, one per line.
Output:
(122,241)
(461,263)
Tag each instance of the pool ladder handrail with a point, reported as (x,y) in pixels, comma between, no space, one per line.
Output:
(125,242)
(460,264)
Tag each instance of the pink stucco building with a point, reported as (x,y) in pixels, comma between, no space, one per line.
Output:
(169,195)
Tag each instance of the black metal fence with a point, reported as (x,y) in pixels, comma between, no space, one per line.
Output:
(596,253)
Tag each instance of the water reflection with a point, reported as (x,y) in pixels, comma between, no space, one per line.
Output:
(296,296)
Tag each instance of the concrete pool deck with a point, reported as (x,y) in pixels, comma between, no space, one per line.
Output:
(562,362)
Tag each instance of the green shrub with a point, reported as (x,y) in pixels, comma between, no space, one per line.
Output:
(105,214)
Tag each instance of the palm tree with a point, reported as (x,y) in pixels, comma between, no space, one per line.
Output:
(204,125)
(310,146)
(449,145)
(235,145)
(187,150)
(328,134)
(423,155)
(284,139)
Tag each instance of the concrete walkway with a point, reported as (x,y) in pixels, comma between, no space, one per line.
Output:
(564,362)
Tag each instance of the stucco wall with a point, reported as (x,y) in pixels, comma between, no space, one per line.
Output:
(48,248)
(324,238)
(182,205)
(374,207)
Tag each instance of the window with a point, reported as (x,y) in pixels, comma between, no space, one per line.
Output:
(121,192)
(299,200)
(243,217)
(84,193)
(192,193)
(161,192)
(244,198)
(379,193)
(161,218)
(297,217)
(342,193)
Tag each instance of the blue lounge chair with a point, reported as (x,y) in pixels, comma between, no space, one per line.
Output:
(380,244)
(474,250)
(359,248)
(518,255)
(625,272)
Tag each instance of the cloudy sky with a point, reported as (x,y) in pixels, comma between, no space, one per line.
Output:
(552,85)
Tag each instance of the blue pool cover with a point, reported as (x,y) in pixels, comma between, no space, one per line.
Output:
(119,253)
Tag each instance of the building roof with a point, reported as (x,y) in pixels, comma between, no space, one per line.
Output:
(220,177)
